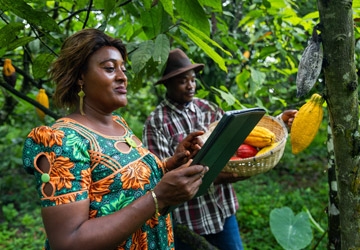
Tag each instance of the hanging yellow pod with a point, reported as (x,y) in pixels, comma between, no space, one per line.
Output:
(306,123)
(9,72)
(43,99)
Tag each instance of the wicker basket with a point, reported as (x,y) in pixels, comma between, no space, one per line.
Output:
(262,163)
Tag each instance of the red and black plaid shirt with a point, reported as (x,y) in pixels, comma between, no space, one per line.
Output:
(166,126)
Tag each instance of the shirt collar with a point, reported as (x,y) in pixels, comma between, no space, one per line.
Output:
(179,107)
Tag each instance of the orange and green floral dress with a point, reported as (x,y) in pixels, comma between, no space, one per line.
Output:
(85,164)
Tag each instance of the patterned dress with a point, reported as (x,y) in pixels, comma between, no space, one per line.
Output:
(85,164)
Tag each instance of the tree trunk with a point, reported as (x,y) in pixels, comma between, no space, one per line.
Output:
(334,231)
(341,94)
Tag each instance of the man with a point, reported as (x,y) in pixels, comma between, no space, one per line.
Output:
(213,214)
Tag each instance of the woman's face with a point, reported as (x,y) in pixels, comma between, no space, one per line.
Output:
(105,82)
(182,88)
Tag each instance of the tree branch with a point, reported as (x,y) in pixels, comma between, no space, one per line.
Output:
(87,13)
(29,100)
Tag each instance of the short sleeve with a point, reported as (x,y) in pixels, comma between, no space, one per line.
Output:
(64,174)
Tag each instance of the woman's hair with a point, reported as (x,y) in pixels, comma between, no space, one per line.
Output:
(73,61)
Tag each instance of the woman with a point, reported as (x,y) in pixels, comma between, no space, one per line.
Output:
(99,187)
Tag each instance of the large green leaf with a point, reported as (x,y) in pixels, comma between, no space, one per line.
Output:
(155,21)
(109,6)
(257,76)
(202,43)
(215,4)
(168,7)
(203,36)
(141,56)
(226,95)
(290,231)
(41,65)
(192,12)
(161,50)
(34,17)
(9,32)
(20,42)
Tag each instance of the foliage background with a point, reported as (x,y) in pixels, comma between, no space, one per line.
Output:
(273,33)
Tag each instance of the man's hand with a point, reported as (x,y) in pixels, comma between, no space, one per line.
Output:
(225,177)
(288,116)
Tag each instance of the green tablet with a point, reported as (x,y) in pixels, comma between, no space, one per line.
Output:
(228,135)
(224,140)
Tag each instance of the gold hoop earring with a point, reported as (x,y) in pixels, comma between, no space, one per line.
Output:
(81,94)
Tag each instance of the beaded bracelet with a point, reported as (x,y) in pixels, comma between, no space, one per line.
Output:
(156,203)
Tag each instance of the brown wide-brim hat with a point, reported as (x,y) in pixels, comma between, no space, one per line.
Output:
(178,62)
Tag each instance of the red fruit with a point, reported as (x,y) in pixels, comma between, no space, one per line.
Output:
(235,158)
(246,151)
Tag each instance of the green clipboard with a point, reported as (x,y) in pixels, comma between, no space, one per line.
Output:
(224,140)
(228,135)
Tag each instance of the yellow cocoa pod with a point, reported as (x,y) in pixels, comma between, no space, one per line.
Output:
(43,99)
(246,54)
(9,72)
(260,137)
(267,148)
(306,123)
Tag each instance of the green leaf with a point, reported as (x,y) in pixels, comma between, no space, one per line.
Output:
(2,51)
(161,50)
(290,231)
(242,78)
(192,12)
(20,42)
(250,17)
(41,65)
(257,76)
(205,46)
(168,7)
(314,15)
(34,17)
(278,4)
(215,4)
(150,21)
(226,95)
(203,36)
(109,5)
(9,32)
(268,50)
(141,56)
(267,4)
(147,4)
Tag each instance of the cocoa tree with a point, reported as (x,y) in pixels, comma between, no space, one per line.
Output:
(251,49)
(341,93)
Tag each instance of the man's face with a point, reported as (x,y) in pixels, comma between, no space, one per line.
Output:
(182,88)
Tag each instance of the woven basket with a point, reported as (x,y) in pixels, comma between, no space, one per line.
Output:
(262,163)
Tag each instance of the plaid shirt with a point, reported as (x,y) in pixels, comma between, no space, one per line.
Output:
(166,126)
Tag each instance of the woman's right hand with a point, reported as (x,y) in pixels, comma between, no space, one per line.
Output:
(179,185)
(186,150)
